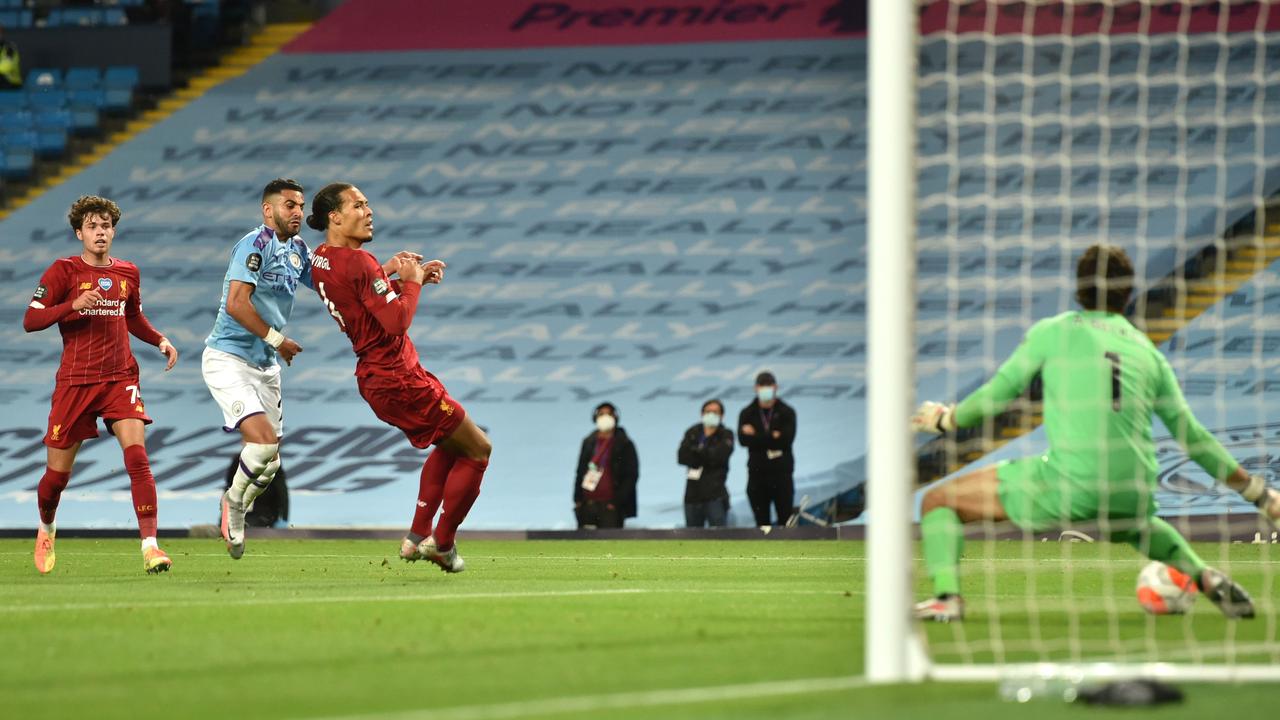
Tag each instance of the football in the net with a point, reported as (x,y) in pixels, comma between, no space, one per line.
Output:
(1163,590)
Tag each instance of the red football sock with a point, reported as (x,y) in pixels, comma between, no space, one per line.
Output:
(460,493)
(143,487)
(431,490)
(49,492)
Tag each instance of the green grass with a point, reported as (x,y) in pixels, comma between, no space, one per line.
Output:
(643,629)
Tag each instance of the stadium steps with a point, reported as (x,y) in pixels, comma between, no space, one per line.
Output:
(1208,278)
(233,64)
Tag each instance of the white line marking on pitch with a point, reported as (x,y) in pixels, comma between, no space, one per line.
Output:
(619,701)
(241,602)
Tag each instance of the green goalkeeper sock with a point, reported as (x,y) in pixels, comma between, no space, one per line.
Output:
(1162,542)
(943,538)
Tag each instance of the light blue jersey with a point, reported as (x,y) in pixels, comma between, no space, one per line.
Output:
(274,268)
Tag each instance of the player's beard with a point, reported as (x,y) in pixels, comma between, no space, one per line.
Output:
(283,231)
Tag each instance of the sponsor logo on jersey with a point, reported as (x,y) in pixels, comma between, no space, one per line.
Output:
(446,408)
(253,262)
(380,286)
(295,260)
(105,283)
(40,292)
(86,285)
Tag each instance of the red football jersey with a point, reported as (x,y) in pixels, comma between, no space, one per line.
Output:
(95,340)
(354,288)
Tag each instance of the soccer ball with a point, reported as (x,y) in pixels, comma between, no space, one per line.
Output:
(1163,590)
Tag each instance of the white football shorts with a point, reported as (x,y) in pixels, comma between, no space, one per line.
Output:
(242,390)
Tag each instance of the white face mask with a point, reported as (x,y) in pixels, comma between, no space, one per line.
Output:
(766,393)
(711,419)
(605,423)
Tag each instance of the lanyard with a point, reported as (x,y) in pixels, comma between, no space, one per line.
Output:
(766,418)
(602,451)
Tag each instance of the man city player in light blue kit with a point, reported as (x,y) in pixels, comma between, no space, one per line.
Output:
(240,364)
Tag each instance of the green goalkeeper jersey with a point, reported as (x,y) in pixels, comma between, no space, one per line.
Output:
(1103,379)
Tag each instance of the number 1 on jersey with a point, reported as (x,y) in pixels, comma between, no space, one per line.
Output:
(329,304)
(1114,359)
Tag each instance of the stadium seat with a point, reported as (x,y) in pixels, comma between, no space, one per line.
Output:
(114,16)
(17,19)
(43,78)
(84,119)
(120,76)
(73,16)
(16,120)
(12,100)
(82,78)
(51,141)
(91,97)
(17,162)
(47,99)
(119,82)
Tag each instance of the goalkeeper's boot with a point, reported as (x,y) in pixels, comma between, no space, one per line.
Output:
(233,525)
(449,561)
(1222,591)
(409,551)
(941,609)
(45,557)
(154,560)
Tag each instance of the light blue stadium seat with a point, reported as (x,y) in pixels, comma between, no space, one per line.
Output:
(16,19)
(43,79)
(12,100)
(120,76)
(84,119)
(82,78)
(119,82)
(17,162)
(51,141)
(46,99)
(16,120)
(90,97)
(74,16)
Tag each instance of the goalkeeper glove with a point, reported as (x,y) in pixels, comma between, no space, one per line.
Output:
(1264,498)
(934,418)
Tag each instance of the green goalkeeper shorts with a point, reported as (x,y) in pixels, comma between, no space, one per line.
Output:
(1036,498)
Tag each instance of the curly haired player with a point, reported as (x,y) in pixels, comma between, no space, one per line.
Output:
(96,302)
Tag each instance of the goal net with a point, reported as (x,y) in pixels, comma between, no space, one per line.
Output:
(1044,127)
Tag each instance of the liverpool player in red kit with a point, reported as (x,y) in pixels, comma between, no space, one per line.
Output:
(375,312)
(95,301)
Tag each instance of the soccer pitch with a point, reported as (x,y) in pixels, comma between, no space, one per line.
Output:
(634,629)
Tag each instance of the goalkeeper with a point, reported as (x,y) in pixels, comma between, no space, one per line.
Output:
(1102,380)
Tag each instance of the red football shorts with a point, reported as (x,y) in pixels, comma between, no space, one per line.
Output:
(76,408)
(415,402)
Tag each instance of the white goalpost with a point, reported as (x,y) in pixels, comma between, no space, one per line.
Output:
(1005,137)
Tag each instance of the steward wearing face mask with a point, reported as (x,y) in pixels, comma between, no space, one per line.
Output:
(767,428)
(604,486)
(705,452)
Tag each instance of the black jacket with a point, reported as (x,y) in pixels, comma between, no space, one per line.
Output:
(782,420)
(625,467)
(697,450)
